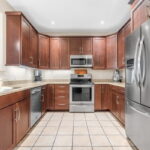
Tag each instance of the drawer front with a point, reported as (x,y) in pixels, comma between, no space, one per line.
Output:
(61,106)
(62,87)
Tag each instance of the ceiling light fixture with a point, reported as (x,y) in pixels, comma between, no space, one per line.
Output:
(102,22)
(52,22)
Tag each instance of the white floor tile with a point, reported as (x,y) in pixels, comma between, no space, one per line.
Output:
(82,148)
(49,130)
(102,148)
(62,148)
(81,141)
(111,131)
(80,131)
(42,148)
(63,141)
(65,131)
(95,131)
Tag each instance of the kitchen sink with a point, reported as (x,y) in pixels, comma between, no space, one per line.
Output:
(7,88)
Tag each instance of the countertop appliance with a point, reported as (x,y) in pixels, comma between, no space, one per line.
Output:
(116,76)
(137,120)
(35,105)
(81,93)
(81,61)
(37,75)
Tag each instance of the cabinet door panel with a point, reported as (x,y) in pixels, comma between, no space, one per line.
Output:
(99,53)
(104,97)
(26,52)
(97,103)
(75,46)
(7,139)
(43,52)
(51,100)
(22,123)
(111,48)
(44,99)
(86,46)
(54,53)
(33,60)
(64,54)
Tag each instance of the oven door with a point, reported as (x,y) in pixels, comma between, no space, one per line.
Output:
(81,94)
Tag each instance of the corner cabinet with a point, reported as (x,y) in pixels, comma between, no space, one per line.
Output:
(44,46)
(111,52)
(99,53)
(19,48)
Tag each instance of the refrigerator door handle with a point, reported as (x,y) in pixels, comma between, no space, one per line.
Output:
(135,64)
(139,60)
(144,65)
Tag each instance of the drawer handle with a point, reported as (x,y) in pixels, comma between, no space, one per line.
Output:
(61,104)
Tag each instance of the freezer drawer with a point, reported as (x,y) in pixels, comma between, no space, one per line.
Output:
(137,124)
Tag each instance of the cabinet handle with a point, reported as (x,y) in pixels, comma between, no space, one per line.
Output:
(31,62)
(19,116)
(61,104)
(15,113)
(42,97)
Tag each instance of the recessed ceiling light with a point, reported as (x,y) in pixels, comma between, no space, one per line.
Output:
(52,22)
(102,22)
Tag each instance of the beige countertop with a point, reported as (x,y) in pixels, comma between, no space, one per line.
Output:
(28,85)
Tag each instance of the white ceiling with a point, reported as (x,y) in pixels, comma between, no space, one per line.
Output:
(75,17)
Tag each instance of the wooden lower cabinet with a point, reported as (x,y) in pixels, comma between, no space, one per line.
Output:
(7,140)
(22,118)
(61,97)
(118,103)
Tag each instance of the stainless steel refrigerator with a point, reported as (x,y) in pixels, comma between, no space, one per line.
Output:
(137,117)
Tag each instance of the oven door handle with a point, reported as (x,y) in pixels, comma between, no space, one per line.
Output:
(82,86)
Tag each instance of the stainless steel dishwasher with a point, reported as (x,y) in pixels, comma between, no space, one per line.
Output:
(35,105)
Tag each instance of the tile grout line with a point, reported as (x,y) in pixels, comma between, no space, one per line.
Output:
(88,132)
(57,131)
(42,131)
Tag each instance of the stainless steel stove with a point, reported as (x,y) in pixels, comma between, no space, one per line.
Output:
(81,93)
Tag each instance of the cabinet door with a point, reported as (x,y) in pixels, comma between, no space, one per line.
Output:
(111,49)
(7,140)
(140,14)
(127,29)
(122,108)
(50,100)
(97,103)
(121,46)
(44,99)
(26,52)
(22,119)
(54,53)
(44,52)
(114,104)
(99,53)
(64,54)
(33,47)
(61,97)
(87,46)
(105,102)
(75,46)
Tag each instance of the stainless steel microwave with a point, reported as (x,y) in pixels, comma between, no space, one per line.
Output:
(81,61)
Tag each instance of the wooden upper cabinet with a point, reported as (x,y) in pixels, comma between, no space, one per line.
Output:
(44,46)
(64,53)
(54,53)
(75,46)
(7,137)
(86,46)
(111,52)
(20,50)
(140,14)
(33,47)
(99,53)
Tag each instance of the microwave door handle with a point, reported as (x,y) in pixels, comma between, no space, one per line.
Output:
(135,63)
(139,60)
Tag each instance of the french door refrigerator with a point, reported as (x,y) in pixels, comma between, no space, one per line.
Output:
(137,117)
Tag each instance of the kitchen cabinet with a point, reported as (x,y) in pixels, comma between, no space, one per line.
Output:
(80,46)
(111,52)
(97,103)
(44,99)
(61,97)
(118,103)
(14,118)
(54,53)
(64,53)
(140,14)
(50,95)
(19,36)
(22,118)
(122,34)
(44,46)
(33,48)
(7,136)
(99,53)
(75,46)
